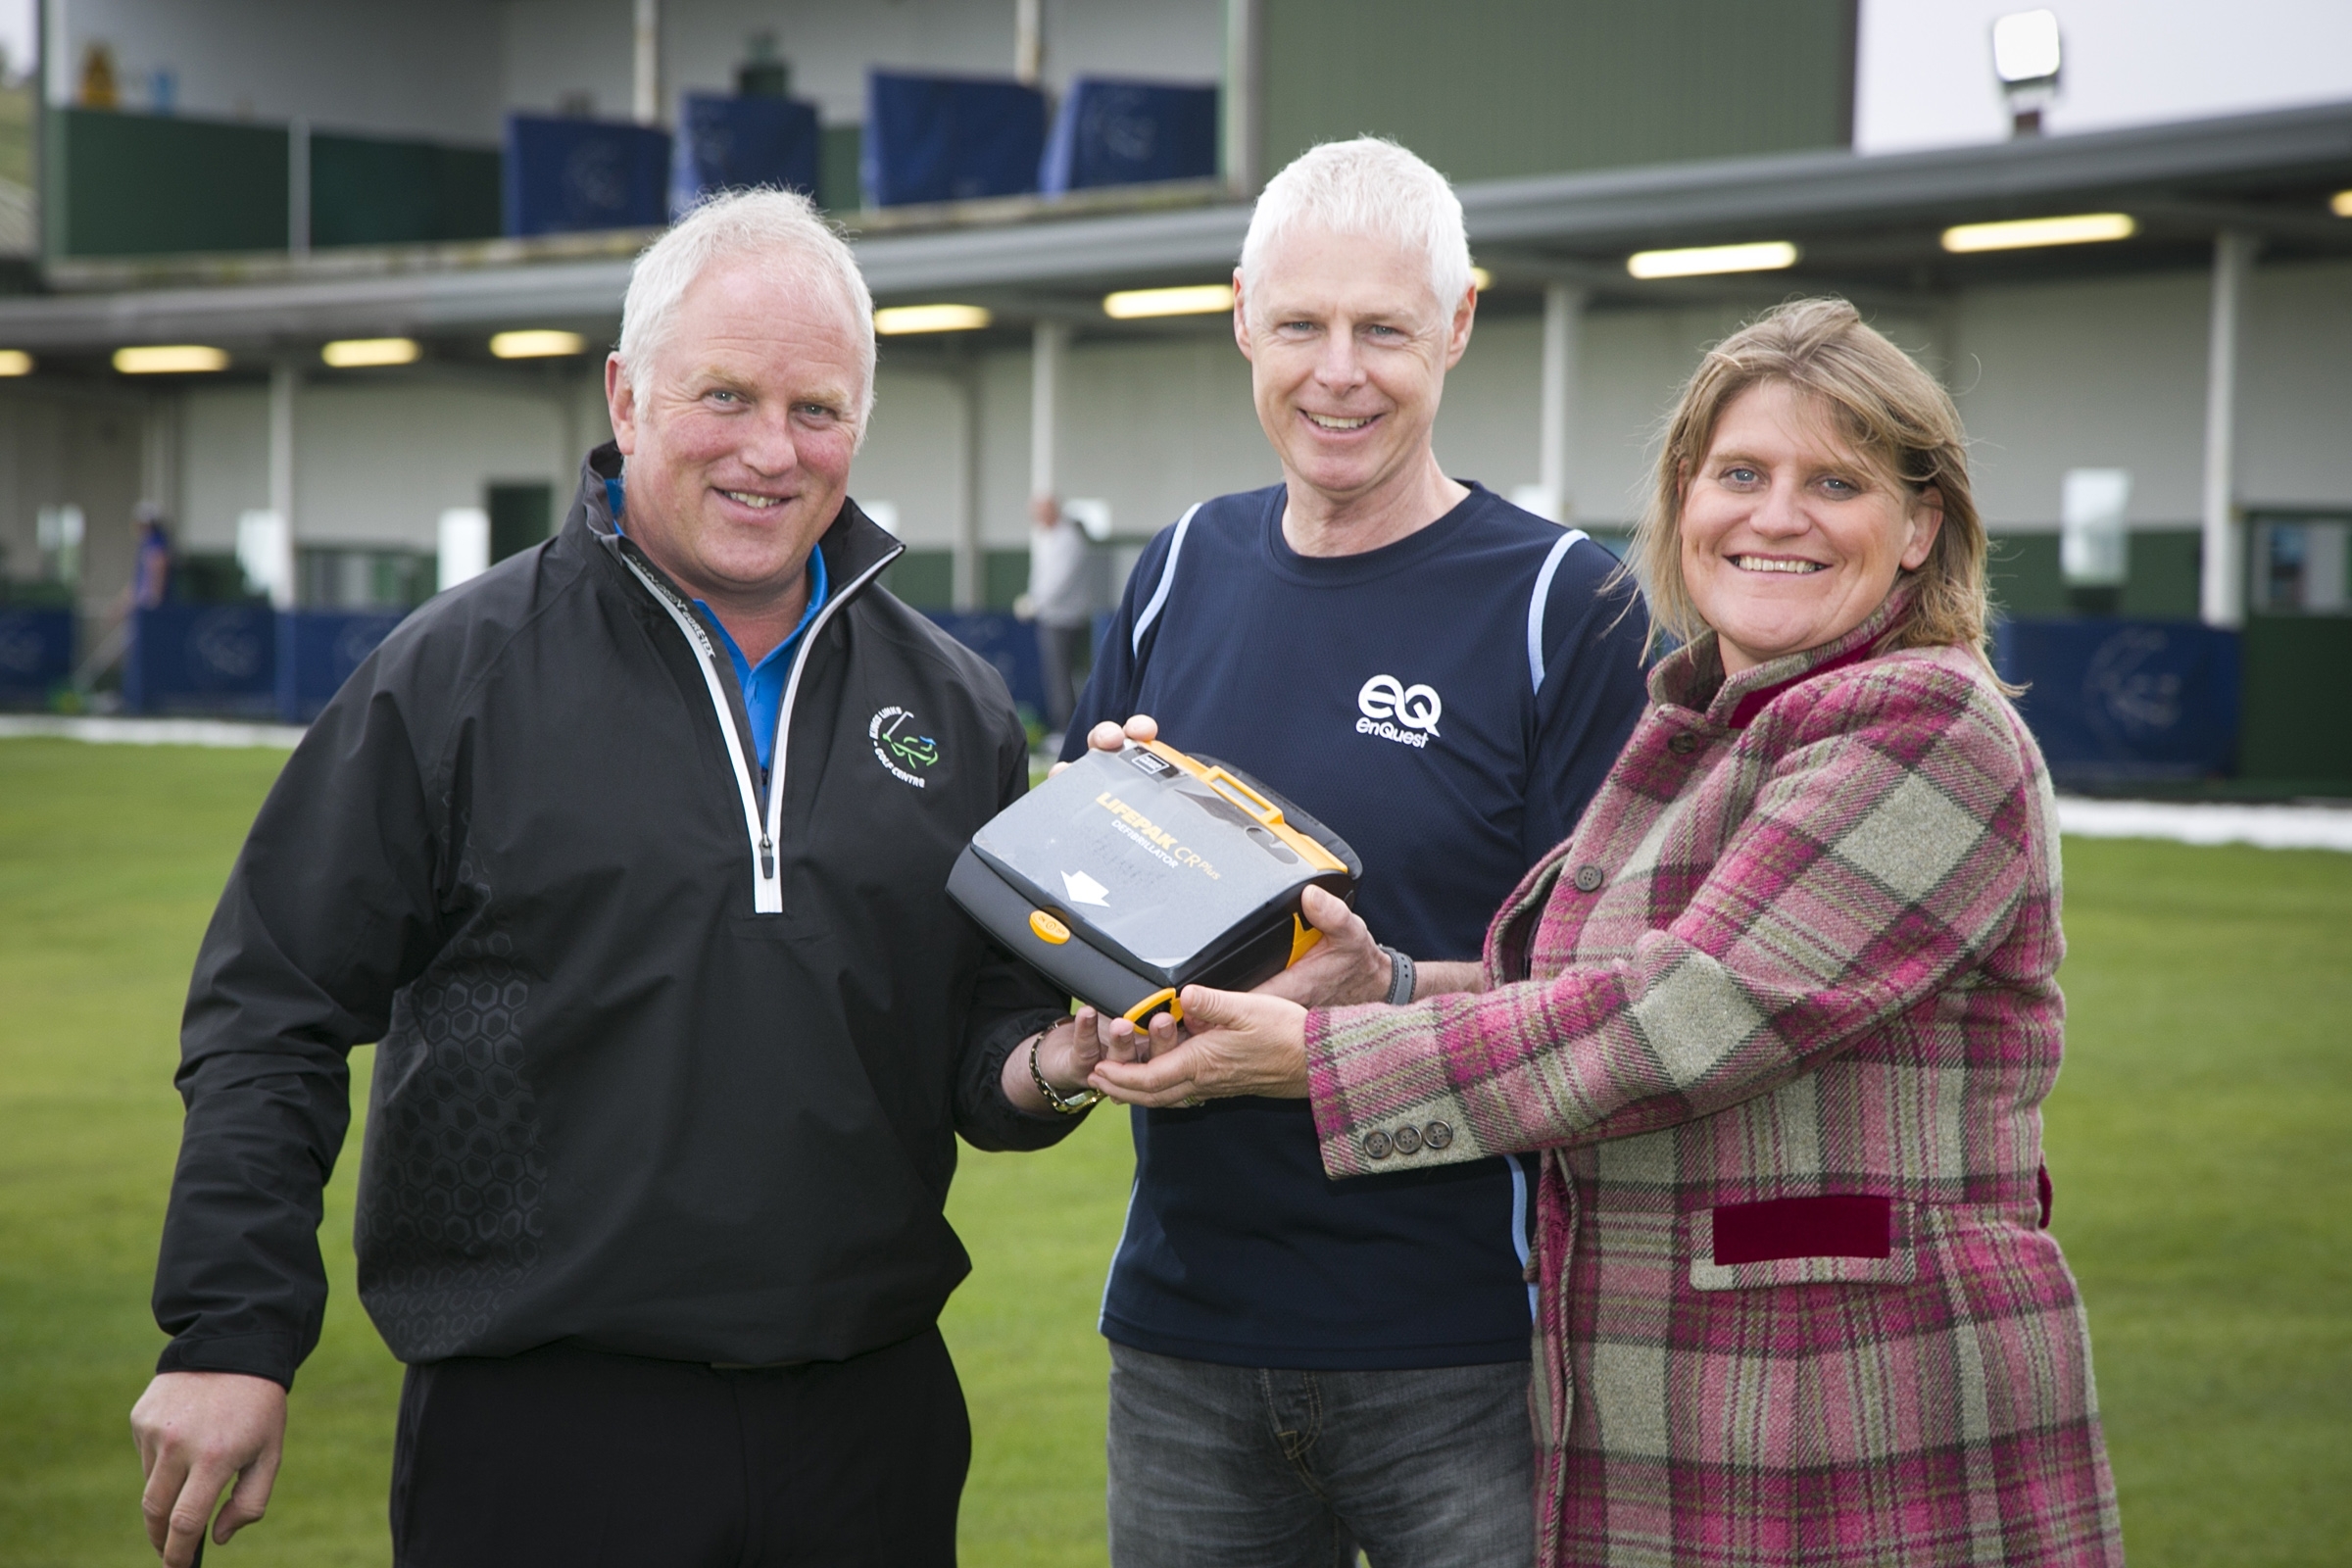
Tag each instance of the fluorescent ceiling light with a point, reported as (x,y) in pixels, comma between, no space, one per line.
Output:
(2341,204)
(2025,46)
(538,343)
(349,353)
(1198,299)
(895,319)
(1703,260)
(2080,228)
(170,359)
(15,361)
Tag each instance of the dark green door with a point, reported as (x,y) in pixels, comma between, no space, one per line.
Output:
(519,515)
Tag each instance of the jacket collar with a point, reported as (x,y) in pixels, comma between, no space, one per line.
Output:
(855,545)
(1691,676)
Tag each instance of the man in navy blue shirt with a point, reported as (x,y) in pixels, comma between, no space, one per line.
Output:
(1302,1366)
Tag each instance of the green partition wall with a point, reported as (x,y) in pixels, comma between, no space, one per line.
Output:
(1541,86)
(2295,729)
(127,184)
(153,184)
(371,190)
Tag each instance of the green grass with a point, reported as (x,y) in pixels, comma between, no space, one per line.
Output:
(2199,1142)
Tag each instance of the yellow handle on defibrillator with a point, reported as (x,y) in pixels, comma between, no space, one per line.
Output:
(1225,784)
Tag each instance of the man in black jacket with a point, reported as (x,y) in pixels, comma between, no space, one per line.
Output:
(630,853)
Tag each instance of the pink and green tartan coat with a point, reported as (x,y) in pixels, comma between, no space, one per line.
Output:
(1782,1014)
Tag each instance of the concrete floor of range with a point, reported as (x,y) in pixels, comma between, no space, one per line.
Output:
(2295,826)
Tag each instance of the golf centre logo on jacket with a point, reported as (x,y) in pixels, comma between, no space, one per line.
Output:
(898,747)
(1396,712)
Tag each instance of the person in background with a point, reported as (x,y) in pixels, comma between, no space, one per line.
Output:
(630,855)
(1302,1367)
(1781,1016)
(1062,601)
(151,565)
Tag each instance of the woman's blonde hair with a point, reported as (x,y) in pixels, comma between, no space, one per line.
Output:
(1895,418)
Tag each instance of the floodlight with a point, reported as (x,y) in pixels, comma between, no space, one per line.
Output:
(2079,228)
(15,361)
(537,343)
(351,352)
(2025,47)
(170,359)
(894,320)
(2341,204)
(1195,299)
(1481,278)
(1701,261)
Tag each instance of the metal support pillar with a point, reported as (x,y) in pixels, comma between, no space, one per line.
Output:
(286,381)
(1238,105)
(1028,41)
(2222,597)
(645,81)
(967,589)
(158,455)
(1050,344)
(57,53)
(1563,334)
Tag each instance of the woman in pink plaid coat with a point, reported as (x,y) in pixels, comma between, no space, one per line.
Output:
(1781,1015)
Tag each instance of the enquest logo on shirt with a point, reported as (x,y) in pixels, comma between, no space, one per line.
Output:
(1396,712)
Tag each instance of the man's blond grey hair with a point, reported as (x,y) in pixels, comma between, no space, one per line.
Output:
(1369,188)
(779,229)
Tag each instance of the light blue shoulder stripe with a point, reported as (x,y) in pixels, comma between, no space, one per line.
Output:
(1534,605)
(1519,1197)
(1168,576)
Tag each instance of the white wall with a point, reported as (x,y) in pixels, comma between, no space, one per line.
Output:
(2112,374)
(910,457)
(377,464)
(425,67)
(1924,67)
(83,448)
(555,47)
(223,464)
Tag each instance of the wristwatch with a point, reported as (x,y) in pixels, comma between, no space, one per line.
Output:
(1067,1105)
(1401,977)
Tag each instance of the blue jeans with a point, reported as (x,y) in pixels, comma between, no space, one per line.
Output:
(1239,1467)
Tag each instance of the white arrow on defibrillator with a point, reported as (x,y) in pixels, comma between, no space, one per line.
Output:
(1084,888)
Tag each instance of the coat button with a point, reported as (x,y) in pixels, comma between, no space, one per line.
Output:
(1588,878)
(1683,745)
(1408,1138)
(1437,1135)
(1376,1145)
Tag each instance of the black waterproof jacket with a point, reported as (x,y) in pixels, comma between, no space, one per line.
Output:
(671,1064)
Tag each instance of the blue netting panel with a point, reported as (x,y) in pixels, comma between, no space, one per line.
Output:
(569,176)
(731,143)
(2114,701)
(950,138)
(1118,132)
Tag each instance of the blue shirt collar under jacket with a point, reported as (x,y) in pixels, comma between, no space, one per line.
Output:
(763,683)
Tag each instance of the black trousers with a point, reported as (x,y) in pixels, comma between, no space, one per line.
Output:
(1063,657)
(576,1457)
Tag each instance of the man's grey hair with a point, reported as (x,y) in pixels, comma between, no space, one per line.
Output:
(1372,189)
(781,230)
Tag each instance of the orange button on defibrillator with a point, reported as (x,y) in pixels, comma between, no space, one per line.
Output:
(1048,928)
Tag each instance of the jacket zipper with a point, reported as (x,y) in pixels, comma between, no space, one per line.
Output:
(767,895)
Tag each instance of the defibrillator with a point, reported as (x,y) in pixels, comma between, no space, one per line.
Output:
(1131,874)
